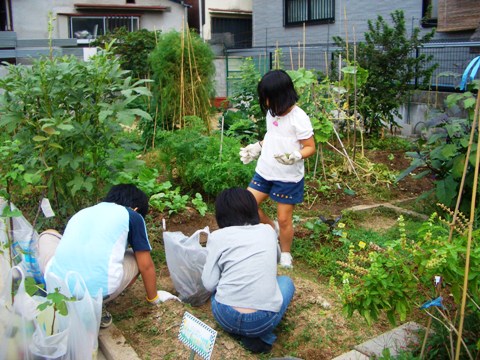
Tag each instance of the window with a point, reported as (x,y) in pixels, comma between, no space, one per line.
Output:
(429,13)
(232,32)
(89,27)
(309,11)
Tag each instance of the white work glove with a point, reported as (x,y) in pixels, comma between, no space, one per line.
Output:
(162,296)
(288,159)
(250,152)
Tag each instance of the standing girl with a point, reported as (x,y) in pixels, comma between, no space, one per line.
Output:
(280,168)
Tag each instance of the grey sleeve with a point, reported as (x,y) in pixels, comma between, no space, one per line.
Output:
(211,270)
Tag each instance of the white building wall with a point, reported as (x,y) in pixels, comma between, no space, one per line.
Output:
(232,5)
(30,17)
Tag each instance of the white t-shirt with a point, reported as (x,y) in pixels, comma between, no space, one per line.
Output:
(283,136)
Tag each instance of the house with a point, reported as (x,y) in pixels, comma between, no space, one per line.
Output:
(86,19)
(228,23)
(289,22)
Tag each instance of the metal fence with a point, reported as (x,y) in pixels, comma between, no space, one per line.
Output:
(451,57)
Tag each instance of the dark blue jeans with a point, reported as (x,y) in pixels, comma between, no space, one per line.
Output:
(259,324)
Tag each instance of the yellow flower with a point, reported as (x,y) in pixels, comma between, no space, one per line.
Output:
(341,225)
(362,245)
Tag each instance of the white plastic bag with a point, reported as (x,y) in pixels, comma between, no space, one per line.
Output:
(22,238)
(16,314)
(84,315)
(185,260)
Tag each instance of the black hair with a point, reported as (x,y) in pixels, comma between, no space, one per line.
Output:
(128,195)
(276,88)
(236,207)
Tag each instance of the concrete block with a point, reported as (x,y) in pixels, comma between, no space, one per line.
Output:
(352,355)
(395,340)
(114,346)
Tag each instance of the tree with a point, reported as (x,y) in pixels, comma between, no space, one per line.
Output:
(391,57)
(132,48)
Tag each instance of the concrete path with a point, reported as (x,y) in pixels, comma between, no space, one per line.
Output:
(394,340)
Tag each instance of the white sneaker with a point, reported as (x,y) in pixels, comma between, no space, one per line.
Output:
(286,260)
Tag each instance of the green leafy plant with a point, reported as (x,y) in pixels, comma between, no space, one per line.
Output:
(245,99)
(316,100)
(386,54)
(199,204)
(193,160)
(443,155)
(63,118)
(397,278)
(132,47)
(58,302)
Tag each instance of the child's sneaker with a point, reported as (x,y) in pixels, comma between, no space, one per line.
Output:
(286,260)
(106,319)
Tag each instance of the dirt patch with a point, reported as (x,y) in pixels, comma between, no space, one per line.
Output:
(314,326)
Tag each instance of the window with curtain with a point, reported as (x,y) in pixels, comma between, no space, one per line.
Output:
(89,27)
(309,11)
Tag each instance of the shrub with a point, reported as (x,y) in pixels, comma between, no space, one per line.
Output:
(183,72)
(387,55)
(132,48)
(193,160)
(64,118)
(411,271)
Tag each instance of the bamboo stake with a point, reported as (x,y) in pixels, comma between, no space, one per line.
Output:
(323,162)
(182,99)
(469,239)
(355,117)
(221,139)
(190,46)
(347,58)
(298,54)
(346,154)
(277,57)
(326,64)
(346,30)
(304,33)
(291,58)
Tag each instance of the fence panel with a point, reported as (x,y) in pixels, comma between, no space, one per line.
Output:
(451,57)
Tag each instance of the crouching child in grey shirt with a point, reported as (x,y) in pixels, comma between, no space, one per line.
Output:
(249,299)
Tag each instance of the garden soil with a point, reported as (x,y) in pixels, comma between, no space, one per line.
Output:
(314,326)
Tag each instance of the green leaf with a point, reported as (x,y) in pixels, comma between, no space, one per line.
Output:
(469,103)
(458,165)
(446,190)
(39,138)
(11,213)
(449,151)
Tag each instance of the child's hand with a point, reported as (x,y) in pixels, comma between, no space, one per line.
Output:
(288,159)
(162,296)
(250,152)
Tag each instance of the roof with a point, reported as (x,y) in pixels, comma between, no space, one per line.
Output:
(122,7)
(230,11)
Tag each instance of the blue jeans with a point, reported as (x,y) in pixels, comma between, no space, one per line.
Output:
(259,324)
